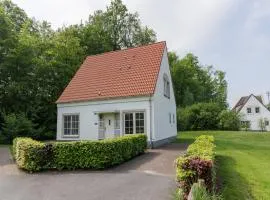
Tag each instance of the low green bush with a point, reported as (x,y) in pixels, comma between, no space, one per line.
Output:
(27,153)
(203,147)
(33,156)
(197,163)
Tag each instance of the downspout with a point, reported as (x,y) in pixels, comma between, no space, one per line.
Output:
(151,138)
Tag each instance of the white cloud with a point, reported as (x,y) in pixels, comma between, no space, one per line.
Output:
(60,12)
(186,24)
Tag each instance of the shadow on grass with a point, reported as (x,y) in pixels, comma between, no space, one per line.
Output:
(230,183)
(184,140)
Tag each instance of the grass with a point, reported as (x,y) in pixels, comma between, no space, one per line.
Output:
(243,162)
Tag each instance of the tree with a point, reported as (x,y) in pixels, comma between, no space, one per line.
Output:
(37,63)
(194,83)
(118,28)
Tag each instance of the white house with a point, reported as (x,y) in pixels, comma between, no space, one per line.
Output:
(121,92)
(253,112)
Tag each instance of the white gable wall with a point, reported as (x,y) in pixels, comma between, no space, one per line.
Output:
(254,117)
(162,106)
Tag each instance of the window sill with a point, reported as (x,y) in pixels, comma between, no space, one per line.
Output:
(166,96)
(70,136)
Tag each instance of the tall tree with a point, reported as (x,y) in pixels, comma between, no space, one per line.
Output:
(37,62)
(194,83)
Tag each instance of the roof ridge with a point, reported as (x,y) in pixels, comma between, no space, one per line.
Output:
(115,51)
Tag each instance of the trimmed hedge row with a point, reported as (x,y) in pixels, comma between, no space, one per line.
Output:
(197,163)
(34,156)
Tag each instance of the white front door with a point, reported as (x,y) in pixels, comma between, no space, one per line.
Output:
(109,125)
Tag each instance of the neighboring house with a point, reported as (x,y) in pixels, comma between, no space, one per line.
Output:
(253,112)
(119,93)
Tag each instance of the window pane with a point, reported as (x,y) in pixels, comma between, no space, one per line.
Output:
(71,125)
(128,123)
(139,117)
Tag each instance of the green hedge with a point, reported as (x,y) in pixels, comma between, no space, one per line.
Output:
(34,156)
(197,163)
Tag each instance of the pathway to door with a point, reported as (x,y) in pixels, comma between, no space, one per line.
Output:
(149,176)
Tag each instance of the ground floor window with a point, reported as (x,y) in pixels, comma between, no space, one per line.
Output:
(245,123)
(71,125)
(134,122)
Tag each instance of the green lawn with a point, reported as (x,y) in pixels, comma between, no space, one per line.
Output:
(243,162)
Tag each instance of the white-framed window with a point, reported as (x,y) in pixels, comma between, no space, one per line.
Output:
(249,110)
(134,122)
(170,118)
(245,123)
(71,125)
(257,110)
(166,86)
(266,123)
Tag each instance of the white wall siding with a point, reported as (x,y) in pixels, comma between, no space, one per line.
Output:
(162,106)
(88,126)
(254,117)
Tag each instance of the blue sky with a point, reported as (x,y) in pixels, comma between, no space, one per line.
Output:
(231,35)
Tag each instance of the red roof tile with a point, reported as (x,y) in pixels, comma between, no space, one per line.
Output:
(123,73)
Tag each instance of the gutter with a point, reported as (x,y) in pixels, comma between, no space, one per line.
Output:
(151,138)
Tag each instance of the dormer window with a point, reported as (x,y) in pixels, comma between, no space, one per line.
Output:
(166,86)
(257,109)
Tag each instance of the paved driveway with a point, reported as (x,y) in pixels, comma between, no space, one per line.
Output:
(150,176)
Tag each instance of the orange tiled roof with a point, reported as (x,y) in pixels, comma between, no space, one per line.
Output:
(123,73)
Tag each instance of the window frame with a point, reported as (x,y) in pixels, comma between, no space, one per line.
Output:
(63,125)
(134,127)
(259,110)
(248,110)
(166,86)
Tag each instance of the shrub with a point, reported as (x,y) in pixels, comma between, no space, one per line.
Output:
(229,120)
(197,163)
(203,147)
(34,156)
(16,125)
(28,154)
(200,116)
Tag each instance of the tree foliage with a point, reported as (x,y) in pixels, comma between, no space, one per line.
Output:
(37,62)
(194,83)
(199,116)
(229,120)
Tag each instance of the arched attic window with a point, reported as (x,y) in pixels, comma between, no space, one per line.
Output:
(166,86)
